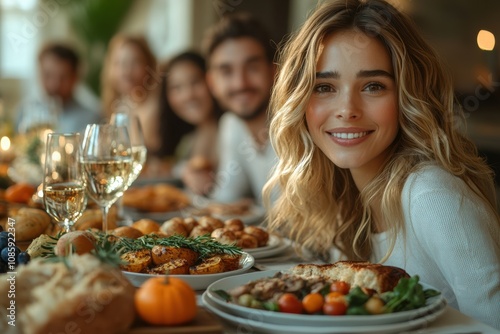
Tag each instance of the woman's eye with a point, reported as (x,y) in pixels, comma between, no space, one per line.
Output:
(374,87)
(322,88)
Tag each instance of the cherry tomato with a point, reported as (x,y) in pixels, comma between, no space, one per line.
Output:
(289,303)
(313,302)
(335,308)
(339,286)
(334,297)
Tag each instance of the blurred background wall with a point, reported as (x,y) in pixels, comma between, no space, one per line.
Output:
(172,26)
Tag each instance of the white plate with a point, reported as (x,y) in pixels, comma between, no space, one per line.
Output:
(254,216)
(257,253)
(197,282)
(253,321)
(273,242)
(307,319)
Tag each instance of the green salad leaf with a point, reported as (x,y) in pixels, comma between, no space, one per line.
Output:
(407,295)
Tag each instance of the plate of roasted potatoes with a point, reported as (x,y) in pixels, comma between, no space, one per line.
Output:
(184,263)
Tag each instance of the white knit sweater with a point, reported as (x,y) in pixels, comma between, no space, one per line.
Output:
(452,243)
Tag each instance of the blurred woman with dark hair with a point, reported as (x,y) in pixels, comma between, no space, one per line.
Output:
(188,118)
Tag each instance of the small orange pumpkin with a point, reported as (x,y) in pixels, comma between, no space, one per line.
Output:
(166,301)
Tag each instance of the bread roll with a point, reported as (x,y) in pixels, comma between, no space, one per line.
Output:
(211,222)
(127,232)
(190,223)
(174,226)
(30,223)
(261,235)
(224,236)
(199,231)
(234,224)
(82,295)
(247,241)
(146,226)
(79,242)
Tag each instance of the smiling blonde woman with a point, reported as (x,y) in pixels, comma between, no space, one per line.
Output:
(372,159)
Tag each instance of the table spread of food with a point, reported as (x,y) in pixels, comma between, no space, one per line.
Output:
(147,274)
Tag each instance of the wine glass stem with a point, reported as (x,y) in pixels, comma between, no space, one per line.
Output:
(67,225)
(105,211)
(119,207)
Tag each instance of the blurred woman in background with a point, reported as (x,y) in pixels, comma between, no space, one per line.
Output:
(189,117)
(129,83)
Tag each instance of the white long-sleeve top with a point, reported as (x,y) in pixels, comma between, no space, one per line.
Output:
(452,243)
(243,167)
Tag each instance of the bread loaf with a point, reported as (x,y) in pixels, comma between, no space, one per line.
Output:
(363,274)
(82,295)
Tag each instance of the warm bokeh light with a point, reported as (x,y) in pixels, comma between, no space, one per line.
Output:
(5,143)
(485,40)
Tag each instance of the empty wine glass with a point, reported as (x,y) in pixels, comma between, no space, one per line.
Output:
(106,160)
(63,184)
(139,151)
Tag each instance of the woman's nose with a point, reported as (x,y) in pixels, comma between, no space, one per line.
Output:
(348,107)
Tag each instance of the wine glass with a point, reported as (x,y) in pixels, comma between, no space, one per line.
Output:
(63,184)
(106,160)
(139,151)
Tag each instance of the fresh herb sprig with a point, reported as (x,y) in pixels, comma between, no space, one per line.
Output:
(106,250)
(203,245)
(48,247)
(407,295)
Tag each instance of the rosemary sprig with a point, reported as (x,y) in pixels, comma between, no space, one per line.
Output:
(203,245)
(106,250)
(49,246)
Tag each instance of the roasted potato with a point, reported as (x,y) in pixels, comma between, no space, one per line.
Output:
(174,267)
(231,262)
(212,265)
(163,254)
(137,261)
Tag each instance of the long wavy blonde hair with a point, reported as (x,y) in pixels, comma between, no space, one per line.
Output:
(318,203)
(109,93)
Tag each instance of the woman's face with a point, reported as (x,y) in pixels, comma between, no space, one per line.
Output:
(128,69)
(188,94)
(352,115)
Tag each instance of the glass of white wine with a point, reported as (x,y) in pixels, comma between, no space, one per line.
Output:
(139,151)
(63,184)
(106,160)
